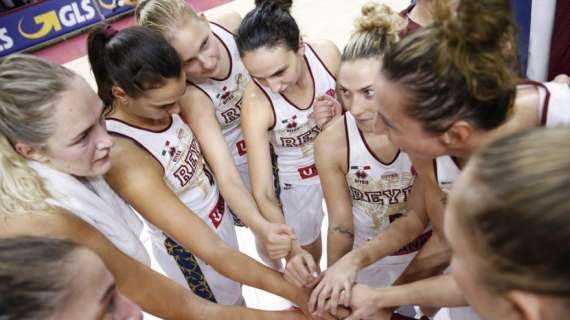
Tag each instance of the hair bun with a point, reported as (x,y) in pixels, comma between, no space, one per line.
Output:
(379,17)
(283,4)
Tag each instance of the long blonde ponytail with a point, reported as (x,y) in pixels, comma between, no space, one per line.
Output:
(29,87)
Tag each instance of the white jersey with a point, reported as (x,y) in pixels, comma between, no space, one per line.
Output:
(177,151)
(446,169)
(555,104)
(294,131)
(226,95)
(379,192)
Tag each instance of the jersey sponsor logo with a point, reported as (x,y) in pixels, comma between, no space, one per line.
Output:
(308,172)
(301,139)
(217,214)
(52,21)
(391,196)
(241,148)
(187,170)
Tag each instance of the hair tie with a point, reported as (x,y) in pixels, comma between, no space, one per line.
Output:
(109,32)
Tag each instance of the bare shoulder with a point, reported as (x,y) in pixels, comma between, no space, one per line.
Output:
(60,224)
(253,96)
(332,142)
(424,168)
(328,52)
(256,110)
(229,20)
(124,154)
(195,97)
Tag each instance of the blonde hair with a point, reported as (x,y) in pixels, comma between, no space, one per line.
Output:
(29,88)
(376,30)
(165,16)
(519,221)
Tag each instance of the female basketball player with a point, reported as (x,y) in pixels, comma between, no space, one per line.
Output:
(366,180)
(502,274)
(288,74)
(448,108)
(159,169)
(56,279)
(212,103)
(54,149)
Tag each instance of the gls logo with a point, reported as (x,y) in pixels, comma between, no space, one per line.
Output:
(68,16)
(5,41)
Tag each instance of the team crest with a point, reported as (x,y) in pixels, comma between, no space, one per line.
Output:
(168,149)
(361,174)
(292,124)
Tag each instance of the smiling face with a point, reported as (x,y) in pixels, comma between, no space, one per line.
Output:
(404,131)
(93,294)
(198,48)
(80,144)
(356,92)
(277,68)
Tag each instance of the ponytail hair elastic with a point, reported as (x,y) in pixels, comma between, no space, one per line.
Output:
(109,32)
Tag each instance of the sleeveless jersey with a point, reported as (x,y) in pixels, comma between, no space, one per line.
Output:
(294,131)
(446,170)
(185,172)
(555,104)
(379,190)
(226,95)
(379,193)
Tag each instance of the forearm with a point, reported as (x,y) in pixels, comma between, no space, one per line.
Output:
(339,242)
(270,207)
(158,297)
(439,291)
(246,270)
(431,260)
(397,235)
(242,203)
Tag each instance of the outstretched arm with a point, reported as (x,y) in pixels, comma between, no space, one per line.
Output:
(199,112)
(144,188)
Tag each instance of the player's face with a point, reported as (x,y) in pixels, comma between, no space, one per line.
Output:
(198,48)
(356,92)
(80,144)
(467,265)
(277,68)
(159,103)
(94,294)
(404,131)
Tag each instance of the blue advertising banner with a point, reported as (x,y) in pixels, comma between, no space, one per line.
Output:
(51,19)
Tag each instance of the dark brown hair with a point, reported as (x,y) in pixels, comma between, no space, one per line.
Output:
(270,24)
(135,59)
(459,68)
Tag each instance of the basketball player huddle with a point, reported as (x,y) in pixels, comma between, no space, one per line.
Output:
(428,148)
